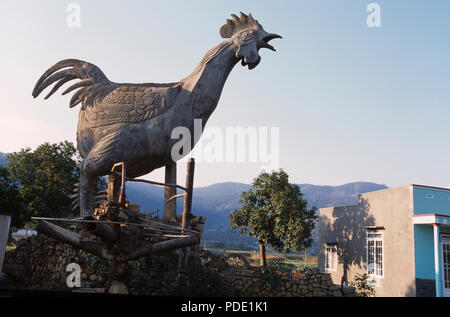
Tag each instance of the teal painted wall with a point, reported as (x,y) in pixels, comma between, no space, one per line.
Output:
(439,204)
(424,250)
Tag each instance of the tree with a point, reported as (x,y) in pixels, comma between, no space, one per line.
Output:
(274,211)
(10,202)
(46,177)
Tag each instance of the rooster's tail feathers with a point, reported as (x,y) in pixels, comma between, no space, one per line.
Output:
(88,73)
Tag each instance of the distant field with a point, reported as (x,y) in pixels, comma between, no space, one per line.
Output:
(299,261)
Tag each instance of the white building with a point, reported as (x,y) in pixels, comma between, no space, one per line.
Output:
(23,234)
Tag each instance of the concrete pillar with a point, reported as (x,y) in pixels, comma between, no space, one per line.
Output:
(5,221)
(187,206)
(170,208)
(437,261)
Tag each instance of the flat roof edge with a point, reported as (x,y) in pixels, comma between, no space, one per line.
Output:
(431,187)
(346,206)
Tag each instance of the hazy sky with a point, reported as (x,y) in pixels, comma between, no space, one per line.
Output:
(352,103)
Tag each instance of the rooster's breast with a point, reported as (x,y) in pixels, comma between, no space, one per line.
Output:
(143,144)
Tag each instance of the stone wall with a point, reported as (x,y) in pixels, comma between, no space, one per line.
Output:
(40,261)
(311,284)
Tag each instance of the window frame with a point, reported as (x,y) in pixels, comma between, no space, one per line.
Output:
(333,254)
(377,239)
(443,236)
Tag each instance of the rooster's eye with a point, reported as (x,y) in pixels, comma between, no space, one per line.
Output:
(246,35)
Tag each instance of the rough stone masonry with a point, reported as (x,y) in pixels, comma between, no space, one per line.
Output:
(40,261)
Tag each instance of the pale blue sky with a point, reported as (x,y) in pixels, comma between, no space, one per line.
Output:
(353,103)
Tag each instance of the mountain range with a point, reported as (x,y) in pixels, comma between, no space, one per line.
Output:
(3,159)
(216,201)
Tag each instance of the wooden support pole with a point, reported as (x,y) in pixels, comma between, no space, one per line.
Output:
(58,233)
(175,196)
(154,183)
(160,247)
(187,206)
(106,232)
(114,184)
(170,206)
(186,218)
(69,237)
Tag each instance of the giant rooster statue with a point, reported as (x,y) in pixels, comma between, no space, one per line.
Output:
(132,123)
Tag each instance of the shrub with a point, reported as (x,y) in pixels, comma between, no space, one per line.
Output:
(363,286)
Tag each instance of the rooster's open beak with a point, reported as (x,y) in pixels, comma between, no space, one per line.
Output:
(264,43)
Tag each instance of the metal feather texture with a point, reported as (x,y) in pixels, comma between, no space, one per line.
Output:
(127,104)
(93,81)
(103,101)
(99,197)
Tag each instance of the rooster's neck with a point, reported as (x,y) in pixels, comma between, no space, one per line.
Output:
(206,82)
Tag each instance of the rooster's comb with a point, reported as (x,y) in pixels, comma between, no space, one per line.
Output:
(237,24)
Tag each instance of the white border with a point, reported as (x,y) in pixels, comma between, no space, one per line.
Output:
(334,259)
(445,292)
(377,277)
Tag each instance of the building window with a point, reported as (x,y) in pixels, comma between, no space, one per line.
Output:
(330,257)
(375,254)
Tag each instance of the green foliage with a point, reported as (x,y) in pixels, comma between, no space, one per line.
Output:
(304,267)
(30,225)
(10,247)
(272,274)
(363,286)
(281,266)
(11,203)
(159,276)
(41,181)
(46,177)
(274,211)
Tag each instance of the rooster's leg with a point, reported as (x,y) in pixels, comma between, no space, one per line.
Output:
(87,183)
